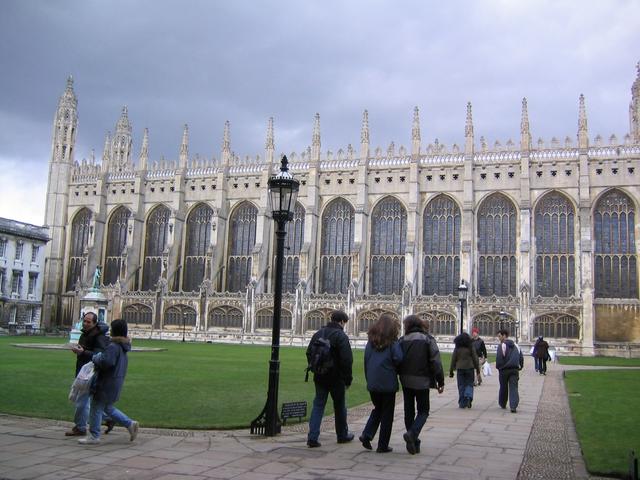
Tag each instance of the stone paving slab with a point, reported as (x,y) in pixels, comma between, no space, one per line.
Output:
(484,442)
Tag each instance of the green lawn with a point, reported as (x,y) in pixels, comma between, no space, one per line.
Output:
(190,385)
(605,406)
(601,361)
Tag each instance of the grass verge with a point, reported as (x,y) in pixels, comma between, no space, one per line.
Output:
(601,361)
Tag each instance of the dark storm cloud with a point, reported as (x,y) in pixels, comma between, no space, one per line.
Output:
(204,62)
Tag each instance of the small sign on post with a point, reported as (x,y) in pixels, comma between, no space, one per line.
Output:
(293,410)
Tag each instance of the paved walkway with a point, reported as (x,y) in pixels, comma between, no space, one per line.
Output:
(484,442)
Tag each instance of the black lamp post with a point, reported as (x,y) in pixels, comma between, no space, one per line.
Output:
(184,322)
(462,297)
(283,191)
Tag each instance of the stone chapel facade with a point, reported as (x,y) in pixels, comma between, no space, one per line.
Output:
(544,231)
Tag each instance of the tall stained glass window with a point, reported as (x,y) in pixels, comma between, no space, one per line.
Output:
(156,240)
(242,238)
(616,271)
(441,247)
(198,240)
(116,244)
(79,241)
(497,247)
(293,244)
(338,221)
(555,260)
(388,246)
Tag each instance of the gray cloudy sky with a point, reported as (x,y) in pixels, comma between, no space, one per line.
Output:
(204,62)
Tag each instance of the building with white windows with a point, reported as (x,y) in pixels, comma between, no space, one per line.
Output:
(541,230)
(22,254)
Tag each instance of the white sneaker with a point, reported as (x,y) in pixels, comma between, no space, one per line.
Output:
(133,430)
(89,440)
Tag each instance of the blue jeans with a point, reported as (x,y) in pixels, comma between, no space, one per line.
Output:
(541,365)
(508,379)
(337,392)
(95,419)
(82,412)
(465,386)
(413,398)
(382,415)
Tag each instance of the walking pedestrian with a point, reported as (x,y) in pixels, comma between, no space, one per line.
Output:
(382,356)
(509,362)
(111,366)
(334,382)
(541,355)
(420,369)
(92,340)
(465,361)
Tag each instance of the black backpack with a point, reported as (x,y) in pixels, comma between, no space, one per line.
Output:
(320,357)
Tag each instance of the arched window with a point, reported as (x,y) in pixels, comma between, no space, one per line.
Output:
(369,317)
(440,323)
(195,253)
(79,241)
(225,317)
(556,325)
(441,247)
(316,319)
(116,244)
(497,247)
(242,238)
(178,315)
(388,245)
(264,319)
(489,323)
(555,262)
(293,242)
(338,222)
(616,274)
(155,244)
(137,314)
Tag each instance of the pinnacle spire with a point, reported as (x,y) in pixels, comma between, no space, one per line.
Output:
(468,128)
(525,135)
(144,151)
(315,139)
(415,132)
(106,151)
(583,132)
(364,132)
(226,137)
(184,147)
(270,144)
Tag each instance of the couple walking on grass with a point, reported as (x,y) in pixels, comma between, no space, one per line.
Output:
(415,358)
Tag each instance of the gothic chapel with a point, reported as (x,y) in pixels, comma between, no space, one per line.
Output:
(542,231)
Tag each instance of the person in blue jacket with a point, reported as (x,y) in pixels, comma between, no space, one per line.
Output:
(111,366)
(509,362)
(382,356)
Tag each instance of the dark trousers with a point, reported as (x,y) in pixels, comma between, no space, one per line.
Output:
(337,392)
(382,415)
(413,398)
(541,365)
(465,386)
(508,379)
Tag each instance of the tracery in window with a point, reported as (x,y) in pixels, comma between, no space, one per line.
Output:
(369,317)
(137,314)
(180,315)
(293,247)
(555,260)
(79,241)
(316,319)
(441,247)
(338,222)
(490,322)
(116,245)
(556,325)
(156,239)
(242,238)
(497,247)
(388,246)
(197,244)
(615,258)
(225,317)
(264,319)
(440,323)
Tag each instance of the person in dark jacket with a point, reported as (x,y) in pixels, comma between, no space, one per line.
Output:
(382,356)
(111,366)
(509,362)
(464,360)
(420,368)
(480,348)
(334,382)
(541,355)
(92,340)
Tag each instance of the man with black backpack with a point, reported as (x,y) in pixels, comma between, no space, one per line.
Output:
(330,359)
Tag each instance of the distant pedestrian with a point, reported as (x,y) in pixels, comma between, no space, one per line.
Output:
(420,369)
(480,348)
(509,362)
(335,382)
(111,366)
(465,361)
(382,356)
(92,340)
(541,355)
